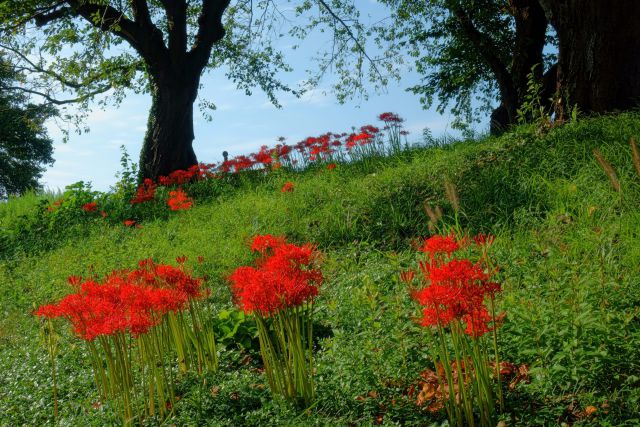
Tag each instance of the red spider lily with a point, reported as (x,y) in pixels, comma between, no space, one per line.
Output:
(90,207)
(484,239)
(177,177)
(74,280)
(125,301)
(390,118)
(178,200)
(263,156)
(331,166)
(195,172)
(369,129)
(282,277)
(440,245)
(287,187)
(262,243)
(454,298)
(456,288)
(407,276)
(237,164)
(145,193)
(363,138)
(55,205)
(131,223)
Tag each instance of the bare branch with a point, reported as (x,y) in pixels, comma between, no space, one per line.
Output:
(210,30)
(52,100)
(34,16)
(141,13)
(109,19)
(487,50)
(352,36)
(52,13)
(39,69)
(176,11)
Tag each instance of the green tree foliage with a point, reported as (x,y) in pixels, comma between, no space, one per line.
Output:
(25,148)
(472,53)
(352,55)
(76,50)
(83,48)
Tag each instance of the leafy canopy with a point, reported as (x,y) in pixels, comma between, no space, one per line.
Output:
(455,74)
(25,148)
(72,56)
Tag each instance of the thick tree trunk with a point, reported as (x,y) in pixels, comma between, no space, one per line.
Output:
(530,31)
(599,53)
(500,120)
(168,143)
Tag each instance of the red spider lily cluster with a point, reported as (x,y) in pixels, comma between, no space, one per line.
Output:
(90,207)
(56,204)
(282,277)
(456,288)
(390,118)
(368,140)
(328,148)
(287,187)
(178,200)
(125,301)
(194,173)
(145,193)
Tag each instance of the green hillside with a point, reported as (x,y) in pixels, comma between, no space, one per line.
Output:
(567,243)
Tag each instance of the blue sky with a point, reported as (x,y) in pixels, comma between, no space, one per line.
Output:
(241,123)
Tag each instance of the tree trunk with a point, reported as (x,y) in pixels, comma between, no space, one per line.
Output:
(500,120)
(530,32)
(531,29)
(599,53)
(168,142)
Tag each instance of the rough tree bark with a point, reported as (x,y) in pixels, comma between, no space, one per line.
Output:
(168,141)
(530,31)
(599,53)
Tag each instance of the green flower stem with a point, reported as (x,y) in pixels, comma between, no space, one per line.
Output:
(496,355)
(461,356)
(286,346)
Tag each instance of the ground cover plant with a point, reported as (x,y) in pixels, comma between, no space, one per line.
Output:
(565,232)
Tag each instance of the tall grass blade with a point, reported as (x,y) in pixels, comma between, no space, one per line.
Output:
(606,166)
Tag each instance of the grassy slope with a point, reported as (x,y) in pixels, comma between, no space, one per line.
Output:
(567,243)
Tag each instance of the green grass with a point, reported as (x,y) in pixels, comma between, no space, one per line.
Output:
(568,247)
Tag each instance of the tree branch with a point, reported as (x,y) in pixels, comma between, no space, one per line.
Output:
(52,100)
(110,19)
(176,11)
(351,36)
(141,15)
(530,32)
(487,51)
(44,16)
(210,31)
(39,69)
